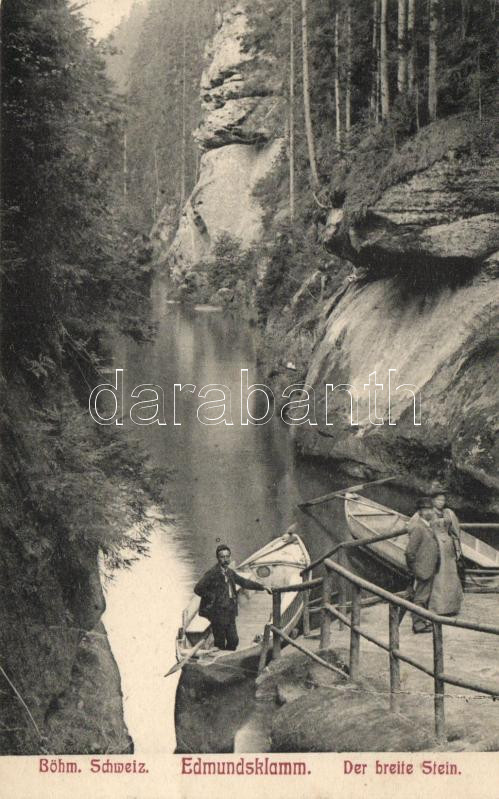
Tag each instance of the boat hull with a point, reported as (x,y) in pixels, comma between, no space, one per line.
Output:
(367,518)
(225,670)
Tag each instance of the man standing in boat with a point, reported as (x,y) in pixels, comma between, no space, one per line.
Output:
(422,556)
(217,589)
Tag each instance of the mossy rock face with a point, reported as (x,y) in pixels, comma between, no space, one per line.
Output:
(345,720)
(428,207)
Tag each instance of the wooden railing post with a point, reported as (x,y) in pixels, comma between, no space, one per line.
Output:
(354,635)
(276,621)
(438,670)
(342,599)
(306,608)
(265,648)
(394,643)
(327,590)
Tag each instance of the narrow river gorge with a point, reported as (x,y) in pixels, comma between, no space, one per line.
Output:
(236,484)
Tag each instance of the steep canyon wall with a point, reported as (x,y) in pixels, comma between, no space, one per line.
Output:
(419,241)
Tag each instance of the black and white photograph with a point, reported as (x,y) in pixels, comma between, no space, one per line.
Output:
(249,341)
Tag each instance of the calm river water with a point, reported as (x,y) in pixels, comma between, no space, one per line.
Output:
(236,484)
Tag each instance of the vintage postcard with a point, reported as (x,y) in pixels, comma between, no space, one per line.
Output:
(249,339)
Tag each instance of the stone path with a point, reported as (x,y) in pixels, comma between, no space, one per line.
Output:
(312,710)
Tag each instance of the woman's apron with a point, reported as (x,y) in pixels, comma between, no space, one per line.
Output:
(446,593)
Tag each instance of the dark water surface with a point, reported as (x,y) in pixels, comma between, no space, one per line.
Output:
(236,484)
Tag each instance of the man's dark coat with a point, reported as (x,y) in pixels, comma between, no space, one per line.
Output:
(422,552)
(214,592)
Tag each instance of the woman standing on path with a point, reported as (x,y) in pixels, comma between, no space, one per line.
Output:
(446,593)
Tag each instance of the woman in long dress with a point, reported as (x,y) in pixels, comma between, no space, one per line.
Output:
(447,592)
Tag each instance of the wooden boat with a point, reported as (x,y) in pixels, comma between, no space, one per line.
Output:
(367,518)
(276,564)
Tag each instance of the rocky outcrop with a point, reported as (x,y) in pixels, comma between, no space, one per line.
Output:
(240,136)
(424,303)
(439,214)
(60,688)
(55,654)
(442,345)
(239,90)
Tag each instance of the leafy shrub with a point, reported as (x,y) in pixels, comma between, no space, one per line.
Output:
(229,264)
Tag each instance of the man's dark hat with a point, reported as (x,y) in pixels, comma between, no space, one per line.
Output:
(424,502)
(437,488)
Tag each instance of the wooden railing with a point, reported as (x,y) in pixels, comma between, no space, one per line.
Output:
(274,635)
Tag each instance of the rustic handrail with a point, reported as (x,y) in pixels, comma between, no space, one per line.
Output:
(395,602)
(280,634)
(479,525)
(405,603)
(305,586)
(352,545)
(481,687)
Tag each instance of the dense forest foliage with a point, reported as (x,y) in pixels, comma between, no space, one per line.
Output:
(360,79)
(159,51)
(390,66)
(69,276)
(373,73)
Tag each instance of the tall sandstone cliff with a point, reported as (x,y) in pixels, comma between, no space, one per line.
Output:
(239,138)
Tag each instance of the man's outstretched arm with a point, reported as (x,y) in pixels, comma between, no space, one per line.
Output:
(251,584)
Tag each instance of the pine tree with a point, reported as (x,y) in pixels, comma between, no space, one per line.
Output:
(432,60)
(402,47)
(374,98)
(337,88)
(411,46)
(348,78)
(291,116)
(383,57)
(306,97)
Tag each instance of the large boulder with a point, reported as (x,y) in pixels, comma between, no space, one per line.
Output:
(433,205)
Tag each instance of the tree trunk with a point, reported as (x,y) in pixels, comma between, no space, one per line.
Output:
(374,101)
(383,56)
(432,61)
(402,47)
(306,97)
(337,97)
(125,169)
(291,111)
(479,86)
(411,45)
(348,92)
(157,199)
(184,126)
